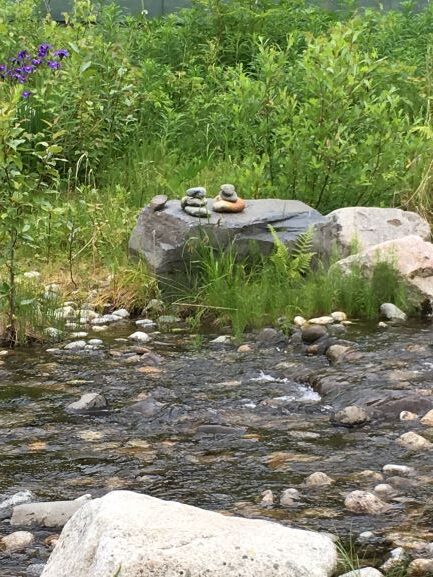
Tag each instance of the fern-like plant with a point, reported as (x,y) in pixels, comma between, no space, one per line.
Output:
(291,265)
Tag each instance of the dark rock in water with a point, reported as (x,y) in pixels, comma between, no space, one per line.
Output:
(312,333)
(219,430)
(269,337)
(320,346)
(160,237)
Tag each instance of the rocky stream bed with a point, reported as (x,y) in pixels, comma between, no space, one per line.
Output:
(227,429)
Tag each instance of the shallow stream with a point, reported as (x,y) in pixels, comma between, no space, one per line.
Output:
(275,428)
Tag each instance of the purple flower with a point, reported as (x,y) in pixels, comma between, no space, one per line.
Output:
(53,64)
(36,61)
(43,50)
(26,94)
(28,69)
(3,67)
(62,53)
(22,55)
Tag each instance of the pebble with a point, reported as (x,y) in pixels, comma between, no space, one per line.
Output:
(318,479)
(96,342)
(245,348)
(139,337)
(222,340)
(337,353)
(87,402)
(402,470)
(299,321)
(414,442)
(17,541)
(147,324)
(158,202)
(79,335)
(339,316)
(398,556)
(121,313)
(8,504)
(428,419)
(364,502)
(382,325)
(75,346)
(99,328)
(385,491)
(326,320)
(408,416)
(351,416)
(392,313)
(267,498)
(420,567)
(288,497)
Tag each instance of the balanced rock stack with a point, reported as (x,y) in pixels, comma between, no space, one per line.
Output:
(195,203)
(228,200)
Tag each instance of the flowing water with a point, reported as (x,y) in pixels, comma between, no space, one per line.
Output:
(214,427)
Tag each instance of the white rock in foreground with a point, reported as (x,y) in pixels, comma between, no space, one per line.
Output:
(136,535)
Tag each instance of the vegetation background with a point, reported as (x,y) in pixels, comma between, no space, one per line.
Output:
(283,99)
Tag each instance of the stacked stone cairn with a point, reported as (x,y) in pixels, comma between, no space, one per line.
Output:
(228,200)
(195,203)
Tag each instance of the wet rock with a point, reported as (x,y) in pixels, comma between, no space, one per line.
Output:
(147,407)
(400,470)
(177,539)
(121,313)
(339,316)
(363,502)
(35,569)
(320,346)
(75,346)
(392,313)
(318,479)
(428,419)
(402,483)
(312,333)
(337,353)
(16,541)
(139,337)
(364,572)
(269,337)
(267,498)
(398,558)
(351,416)
(146,324)
(289,497)
(420,568)
(368,476)
(396,402)
(8,504)
(46,514)
(414,442)
(88,402)
(385,491)
(408,416)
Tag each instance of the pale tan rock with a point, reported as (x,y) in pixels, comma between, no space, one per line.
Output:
(363,502)
(411,256)
(414,442)
(339,316)
(299,321)
(420,568)
(428,419)
(318,479)
(16,541)
(325,320)
(245,348)
(221,205)
(267,499)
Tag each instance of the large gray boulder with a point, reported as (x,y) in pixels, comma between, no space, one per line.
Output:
(412,259)
(361,227)
(126,534)
(161,236)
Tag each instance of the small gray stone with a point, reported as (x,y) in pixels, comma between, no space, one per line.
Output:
(121,313)
(289,497)
(35,569)
(392,313)
(75,346)
(47,514)
(318,479)
(351,416)
(139,337)
(363,502)
(147,324)
(158,202)
(196,192)
(8,504)
(88,402)
(400,470)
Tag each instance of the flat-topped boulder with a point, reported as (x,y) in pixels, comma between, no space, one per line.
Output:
(132,535)
(161,236)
